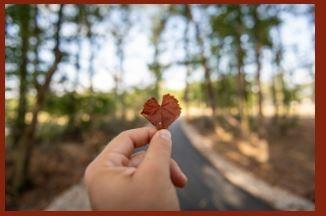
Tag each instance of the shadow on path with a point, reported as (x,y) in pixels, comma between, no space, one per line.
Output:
(207,189)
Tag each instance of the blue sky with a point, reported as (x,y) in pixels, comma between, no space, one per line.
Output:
(296,33)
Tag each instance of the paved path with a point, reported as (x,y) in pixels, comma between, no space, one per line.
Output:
(206,189)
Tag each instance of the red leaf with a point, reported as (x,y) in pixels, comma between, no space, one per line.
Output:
(161,116)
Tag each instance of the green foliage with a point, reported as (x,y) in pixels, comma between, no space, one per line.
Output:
(263,18)
(196,94)
(229,32)
(291,94)
(61,105)
(135,98)
(10,108)
(226,91)
(72,103)
(221,22)
(50,131)
(104,103)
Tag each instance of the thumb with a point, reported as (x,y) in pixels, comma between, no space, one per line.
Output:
(158,154)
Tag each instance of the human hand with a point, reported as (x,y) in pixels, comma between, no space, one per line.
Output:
(119,180)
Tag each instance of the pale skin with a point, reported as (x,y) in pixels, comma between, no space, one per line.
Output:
(117,179)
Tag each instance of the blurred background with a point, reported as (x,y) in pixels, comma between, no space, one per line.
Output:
(77,75)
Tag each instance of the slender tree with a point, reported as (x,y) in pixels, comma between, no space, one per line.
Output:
(157,29)
(221,26)
(91,17)
(260,36)
(25,143)
(277,82)
(24,20)
(278,85)
(184,11)
(204,60)
(120,29)
(186,47)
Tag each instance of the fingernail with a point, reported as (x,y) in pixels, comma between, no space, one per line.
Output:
(182,173)
(165,134)
(184,177)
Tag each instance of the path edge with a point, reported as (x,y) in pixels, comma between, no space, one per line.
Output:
(74,198)
(279,198)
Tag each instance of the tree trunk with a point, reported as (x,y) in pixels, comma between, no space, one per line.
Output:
(91,41)
(241,88)
(121,56)
(186,94)
(23,152)
(36,48)
(274,97)
(19,125)
(188,69)
(157,69)
(279,82)
(207,72)
(282,90)
(91,77)
(157,86)
(209,86)
(73,117)
(258,82)
(25,144)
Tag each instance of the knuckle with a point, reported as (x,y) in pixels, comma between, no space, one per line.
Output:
(117,159)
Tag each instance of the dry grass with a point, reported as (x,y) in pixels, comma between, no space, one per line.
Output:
(59,164)
(283,156)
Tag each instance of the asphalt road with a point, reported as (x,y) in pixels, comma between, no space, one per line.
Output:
(207,189)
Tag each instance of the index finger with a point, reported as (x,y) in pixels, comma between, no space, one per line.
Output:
(128,140)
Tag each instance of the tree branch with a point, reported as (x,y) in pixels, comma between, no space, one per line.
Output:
(57,53)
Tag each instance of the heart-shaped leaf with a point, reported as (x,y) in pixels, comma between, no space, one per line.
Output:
(161,116)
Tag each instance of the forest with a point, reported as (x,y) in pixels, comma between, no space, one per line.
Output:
(78,75)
